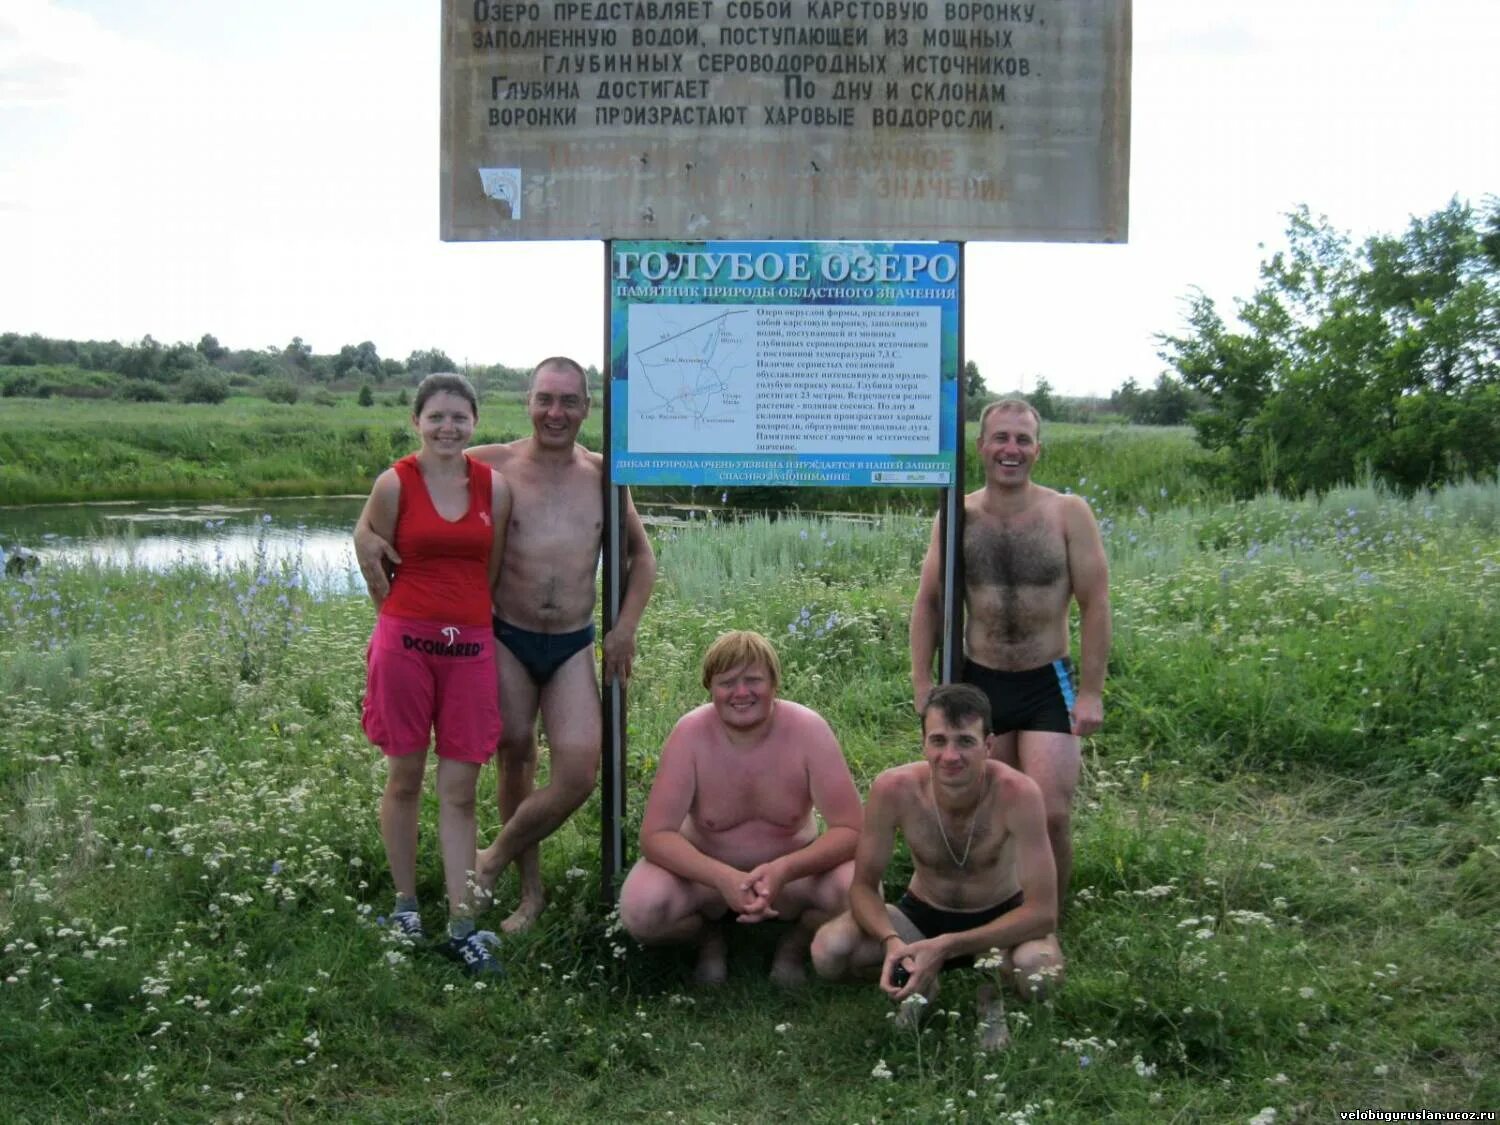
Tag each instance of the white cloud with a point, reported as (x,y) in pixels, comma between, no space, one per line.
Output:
(46,52)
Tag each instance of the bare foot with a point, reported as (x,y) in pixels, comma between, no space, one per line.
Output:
(909,1014)
(788,972)
(525,915)
(789,966)
(994,1032)
(713,967)
(994,1036)
(914,1007)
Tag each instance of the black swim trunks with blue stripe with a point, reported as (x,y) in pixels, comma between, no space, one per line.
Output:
(1037,699)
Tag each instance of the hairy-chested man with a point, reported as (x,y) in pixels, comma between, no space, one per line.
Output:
(1028,552)
(982,877)
(544,609)
(729,827)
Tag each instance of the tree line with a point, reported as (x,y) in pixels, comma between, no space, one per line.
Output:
(1374,360)
(151,371)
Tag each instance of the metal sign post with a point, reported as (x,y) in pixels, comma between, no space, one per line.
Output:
(950,662)
(612,779)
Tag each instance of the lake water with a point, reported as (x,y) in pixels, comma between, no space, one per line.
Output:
(311,532)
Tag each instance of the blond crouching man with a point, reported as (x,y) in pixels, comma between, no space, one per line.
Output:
(729,830)
(982,882)
(1029,552)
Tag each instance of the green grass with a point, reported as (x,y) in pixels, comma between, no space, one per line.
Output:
(1119,469)
(1285,895)
(66,450)
(61,450)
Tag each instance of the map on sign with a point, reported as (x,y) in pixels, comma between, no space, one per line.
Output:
(690,369)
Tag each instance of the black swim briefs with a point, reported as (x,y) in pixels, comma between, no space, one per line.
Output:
(931,921)
(1037,699)
(542,654)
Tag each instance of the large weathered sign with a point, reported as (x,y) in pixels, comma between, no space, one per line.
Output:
(783,363)
(718,119)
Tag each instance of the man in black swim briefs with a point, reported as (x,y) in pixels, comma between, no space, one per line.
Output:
(542,654)
(544,609)
(1029,553)
(982,880)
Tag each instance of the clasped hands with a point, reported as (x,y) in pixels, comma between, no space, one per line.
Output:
(749,894)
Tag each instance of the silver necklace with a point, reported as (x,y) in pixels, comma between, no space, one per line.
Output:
(937,812)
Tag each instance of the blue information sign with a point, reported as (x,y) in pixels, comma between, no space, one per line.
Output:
(784,363)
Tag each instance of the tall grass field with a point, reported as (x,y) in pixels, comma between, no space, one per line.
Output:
(68,450)
(63,450)
(1286,902)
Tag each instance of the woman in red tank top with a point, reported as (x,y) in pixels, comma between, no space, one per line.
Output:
(431,660)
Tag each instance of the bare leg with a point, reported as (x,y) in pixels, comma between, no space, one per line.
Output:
(915,1006)
(840,950)
(994,1032)
(516,767)
(456,782)
(515,786)
(1033,970)
(1036,968)
(809,903)
(400,807)
(1053,761)
(659,908)
(789,966)
(909,1014)
(1005,749)
(712,968)
(570,714)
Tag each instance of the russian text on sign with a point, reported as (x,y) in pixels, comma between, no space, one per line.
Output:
(1014,114)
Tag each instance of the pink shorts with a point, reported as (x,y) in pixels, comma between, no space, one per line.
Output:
(424,674)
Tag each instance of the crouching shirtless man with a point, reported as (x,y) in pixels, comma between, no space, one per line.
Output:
(982,883)
(729,830)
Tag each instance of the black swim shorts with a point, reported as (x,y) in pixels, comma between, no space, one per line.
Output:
(932,921)
(1037,699)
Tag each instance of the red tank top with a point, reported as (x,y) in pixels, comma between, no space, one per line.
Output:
(444,573)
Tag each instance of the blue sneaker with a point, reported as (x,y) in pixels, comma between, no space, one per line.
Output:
(473,953)
(407,925)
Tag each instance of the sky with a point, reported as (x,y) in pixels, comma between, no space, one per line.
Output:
(264,169)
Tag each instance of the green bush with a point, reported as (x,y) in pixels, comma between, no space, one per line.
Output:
(201,386)
(63,380)
(282,390)
(21,384)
